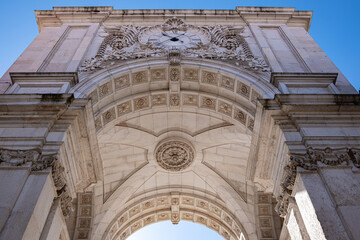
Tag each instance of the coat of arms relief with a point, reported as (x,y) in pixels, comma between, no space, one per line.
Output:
(175,39)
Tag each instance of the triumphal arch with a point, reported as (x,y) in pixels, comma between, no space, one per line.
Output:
(112,120)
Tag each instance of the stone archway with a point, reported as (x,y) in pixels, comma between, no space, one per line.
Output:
(175,206)
(211,109)
(223,146)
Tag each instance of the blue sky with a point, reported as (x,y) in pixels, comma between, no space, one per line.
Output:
(168,231)
(334,27)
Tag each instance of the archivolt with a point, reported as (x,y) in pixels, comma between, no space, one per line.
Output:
(175,206)
(142,85)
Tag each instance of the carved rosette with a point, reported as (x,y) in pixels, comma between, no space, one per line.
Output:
(174,155)
(311,161)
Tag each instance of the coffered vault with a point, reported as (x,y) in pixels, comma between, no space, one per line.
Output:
(115,119)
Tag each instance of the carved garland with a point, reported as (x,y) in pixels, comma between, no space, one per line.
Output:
(311,161)
(226,43)
(34,159)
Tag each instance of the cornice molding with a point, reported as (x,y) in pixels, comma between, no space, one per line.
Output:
(60,15)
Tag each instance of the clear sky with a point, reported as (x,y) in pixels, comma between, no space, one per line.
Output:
(182,231)
(335,27)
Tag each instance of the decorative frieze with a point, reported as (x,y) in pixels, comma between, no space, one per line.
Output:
(174,100)
(174,74)
(225,108)
(31,158)
(140,103)
(175,207)
(209,78)
(243,90)
(122,82)
(158,99)
(124,108)
(191,75)
(139,77)
(208,102)
(311,161)
(38,162)
(158,74)
(109,115)
(190,99)
(227,82)
(240,115)
(84,216)
(105,89)
(185,40)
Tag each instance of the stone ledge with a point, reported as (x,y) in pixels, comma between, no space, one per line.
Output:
(60,15)
(339,100)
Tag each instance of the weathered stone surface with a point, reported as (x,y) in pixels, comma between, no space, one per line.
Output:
(209,116)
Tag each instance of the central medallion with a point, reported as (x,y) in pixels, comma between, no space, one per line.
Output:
(174,155)
(174,33)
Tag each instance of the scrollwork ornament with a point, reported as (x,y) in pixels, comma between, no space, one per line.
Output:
(175,39)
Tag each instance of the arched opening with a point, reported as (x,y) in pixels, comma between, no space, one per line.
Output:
(184,230)
(176,206)
(197,112)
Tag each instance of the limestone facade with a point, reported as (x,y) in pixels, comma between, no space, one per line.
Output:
(112,120)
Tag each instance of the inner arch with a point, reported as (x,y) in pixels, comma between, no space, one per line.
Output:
(184,230)
(175,206)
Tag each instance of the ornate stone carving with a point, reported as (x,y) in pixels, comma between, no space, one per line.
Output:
(208,102)
(174,100)
(122,82)
(33,158)
(311,161)
(158,74)
(250,124)
(139,77)
(105,89)
(190,99)
(37,162)
(243,90)
(227,83)
(191,74)
(94,96)
(225,108)
(209,78)
(140,103)
(174,56)
(84,218)
(18,157)
(62,191)
(109,115)
(158,99)
(240,115)
(175,39)
(174,155)
(174,74)
(124,108)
